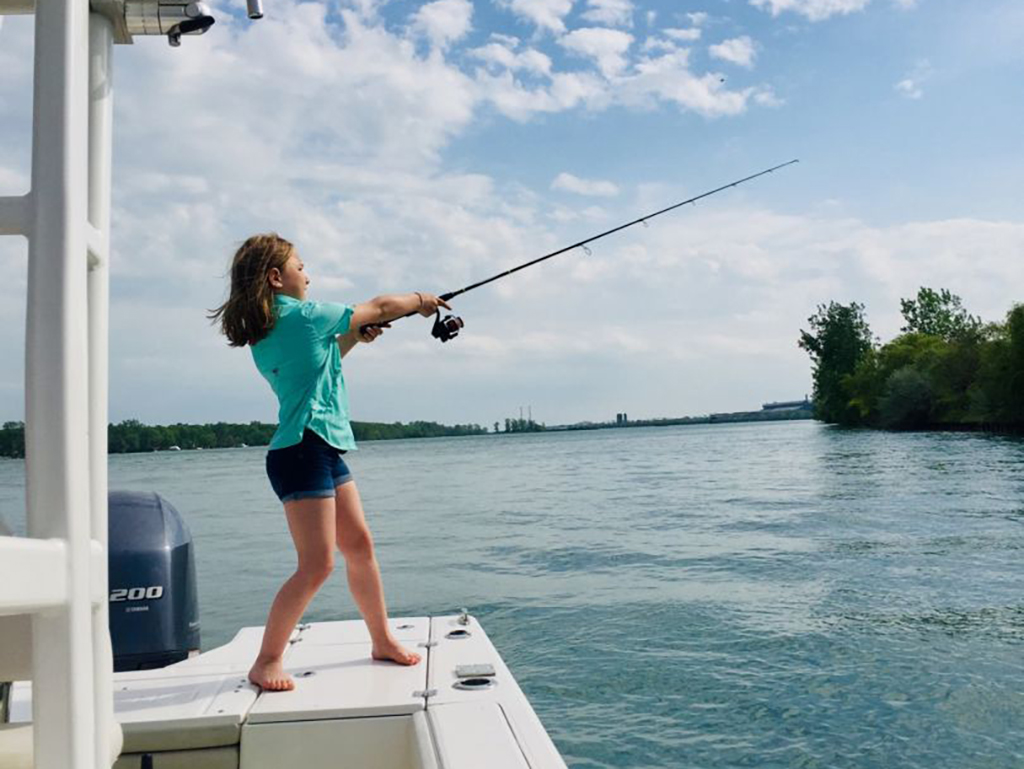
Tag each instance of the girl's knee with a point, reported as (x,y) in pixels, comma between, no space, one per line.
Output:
(316,570)
(357,546)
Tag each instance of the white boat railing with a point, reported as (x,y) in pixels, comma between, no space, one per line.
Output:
(58,573)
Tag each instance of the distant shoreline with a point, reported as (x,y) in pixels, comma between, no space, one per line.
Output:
(134,437)
(711,419)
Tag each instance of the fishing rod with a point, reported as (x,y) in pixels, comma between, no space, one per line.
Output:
(448,327)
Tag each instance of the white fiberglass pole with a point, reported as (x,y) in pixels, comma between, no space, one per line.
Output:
(101,41)
(56,384)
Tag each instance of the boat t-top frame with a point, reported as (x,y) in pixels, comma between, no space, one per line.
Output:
(57,575)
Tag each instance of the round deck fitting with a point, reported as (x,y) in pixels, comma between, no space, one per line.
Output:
(474,684)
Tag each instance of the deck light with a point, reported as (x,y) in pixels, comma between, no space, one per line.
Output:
(173,18)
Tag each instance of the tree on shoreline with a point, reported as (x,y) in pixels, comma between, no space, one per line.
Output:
(947,368)
(938,313)
(839,339)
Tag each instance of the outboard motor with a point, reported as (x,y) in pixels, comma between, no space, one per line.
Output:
(154,609)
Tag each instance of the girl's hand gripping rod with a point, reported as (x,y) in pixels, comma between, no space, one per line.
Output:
(448,327)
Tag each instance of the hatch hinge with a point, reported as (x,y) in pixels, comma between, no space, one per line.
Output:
(425,693)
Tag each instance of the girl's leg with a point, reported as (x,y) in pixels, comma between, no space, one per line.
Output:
(356,544)
(311,522)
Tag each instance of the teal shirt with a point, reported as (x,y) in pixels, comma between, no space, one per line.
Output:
(301,360)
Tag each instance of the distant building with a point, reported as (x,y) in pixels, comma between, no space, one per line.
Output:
(788,405)
(621,419)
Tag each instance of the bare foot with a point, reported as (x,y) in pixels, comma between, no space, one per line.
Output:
(269,675)
(392,651)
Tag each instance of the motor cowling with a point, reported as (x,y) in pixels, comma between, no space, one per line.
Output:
(154,605)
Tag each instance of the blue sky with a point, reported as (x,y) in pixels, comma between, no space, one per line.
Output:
(411,146)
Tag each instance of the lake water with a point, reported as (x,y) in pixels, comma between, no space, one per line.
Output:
(765,595)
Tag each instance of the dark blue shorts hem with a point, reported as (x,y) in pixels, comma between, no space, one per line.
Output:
(309,469)
(313,494)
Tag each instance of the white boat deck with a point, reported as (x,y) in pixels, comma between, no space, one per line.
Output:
(347,710)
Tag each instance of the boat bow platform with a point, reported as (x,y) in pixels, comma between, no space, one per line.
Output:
(459,708)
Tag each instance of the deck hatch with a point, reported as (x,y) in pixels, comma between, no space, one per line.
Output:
(341,681)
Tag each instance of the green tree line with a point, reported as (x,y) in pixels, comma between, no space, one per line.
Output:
(133,436)
(521,426)
(946,368)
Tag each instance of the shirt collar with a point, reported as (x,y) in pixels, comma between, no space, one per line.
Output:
(285,299)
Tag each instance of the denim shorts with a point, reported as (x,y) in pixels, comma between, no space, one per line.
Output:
(311,468)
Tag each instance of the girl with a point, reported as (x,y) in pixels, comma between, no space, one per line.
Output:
(297,346)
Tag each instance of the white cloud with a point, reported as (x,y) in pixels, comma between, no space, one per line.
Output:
(658,44)
(654,78)
(365,9)
(815,10)
(592,187)
(511,41)
(682,35)
(909,88)
(697,18)
(607,47)
(766,97)
(502,53)
(910,85)
(566,90)
(614,13)
(444,21)
(669,78)
(818,10)
(561,214)
(738,50)
(546,14)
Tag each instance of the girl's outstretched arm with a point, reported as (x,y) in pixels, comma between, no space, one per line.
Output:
(388,307)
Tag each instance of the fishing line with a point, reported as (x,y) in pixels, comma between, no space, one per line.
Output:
(448,327)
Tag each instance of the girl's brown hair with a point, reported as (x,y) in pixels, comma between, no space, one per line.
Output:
(248,314)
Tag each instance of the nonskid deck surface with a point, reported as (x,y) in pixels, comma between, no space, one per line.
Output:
(204,713)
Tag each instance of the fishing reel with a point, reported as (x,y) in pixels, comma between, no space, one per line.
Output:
(447,327)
